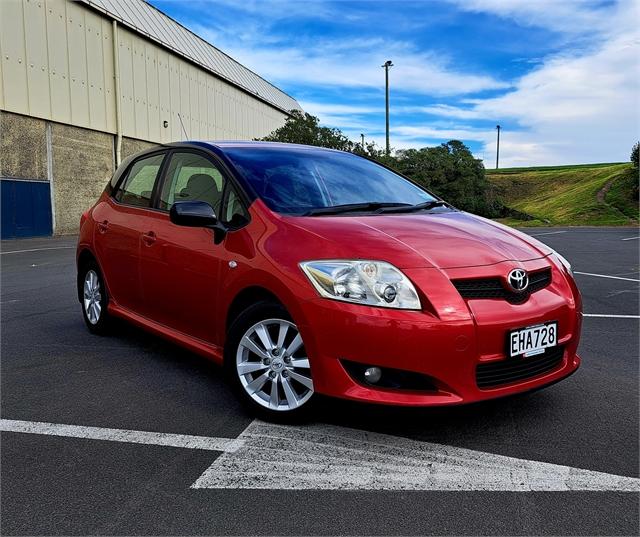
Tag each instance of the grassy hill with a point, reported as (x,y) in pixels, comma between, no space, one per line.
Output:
(586,194)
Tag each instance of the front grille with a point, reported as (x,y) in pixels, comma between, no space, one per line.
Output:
(495,288)
(493,374)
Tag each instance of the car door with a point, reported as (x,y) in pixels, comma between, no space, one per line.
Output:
(180,270)
(121,221)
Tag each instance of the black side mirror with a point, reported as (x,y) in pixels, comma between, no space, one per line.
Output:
(197,214)
(193,214)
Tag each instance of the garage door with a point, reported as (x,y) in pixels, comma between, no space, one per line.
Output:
(26,208)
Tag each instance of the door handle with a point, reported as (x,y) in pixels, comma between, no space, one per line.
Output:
(149,238)
(103,226)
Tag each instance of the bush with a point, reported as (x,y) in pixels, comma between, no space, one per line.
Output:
(634,154)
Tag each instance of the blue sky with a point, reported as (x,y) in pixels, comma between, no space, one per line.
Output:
(562,77)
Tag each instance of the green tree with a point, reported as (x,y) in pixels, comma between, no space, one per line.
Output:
(451,171)
(303,128)
(635,154)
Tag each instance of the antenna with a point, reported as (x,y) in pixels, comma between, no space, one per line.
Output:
(186,136)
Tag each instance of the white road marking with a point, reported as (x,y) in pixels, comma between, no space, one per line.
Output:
(38,250)
(548,233)
(121,435)
(631,239)
(605,276)
(325,457)
(604,315)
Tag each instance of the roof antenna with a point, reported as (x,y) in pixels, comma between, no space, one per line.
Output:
(186,136)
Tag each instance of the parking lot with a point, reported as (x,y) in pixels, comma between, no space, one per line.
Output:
(128,434)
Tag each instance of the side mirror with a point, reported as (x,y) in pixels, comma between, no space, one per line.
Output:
(197,214)
(193,214)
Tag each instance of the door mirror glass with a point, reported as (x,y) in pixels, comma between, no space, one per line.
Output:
(193,214)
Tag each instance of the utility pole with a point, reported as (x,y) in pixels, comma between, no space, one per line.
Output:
(498,147)
(386,66)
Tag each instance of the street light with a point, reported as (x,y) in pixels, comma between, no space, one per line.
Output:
(498,147)
(386,66)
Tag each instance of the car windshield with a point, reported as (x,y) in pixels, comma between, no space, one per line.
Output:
(305,181)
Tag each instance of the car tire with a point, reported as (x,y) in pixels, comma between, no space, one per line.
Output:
(274,384)
(93,298)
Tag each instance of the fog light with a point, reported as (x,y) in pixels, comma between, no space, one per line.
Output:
(372,374)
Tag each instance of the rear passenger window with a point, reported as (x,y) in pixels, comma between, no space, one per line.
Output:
(137,187)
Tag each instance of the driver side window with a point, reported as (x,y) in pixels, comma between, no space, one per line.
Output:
(192,177)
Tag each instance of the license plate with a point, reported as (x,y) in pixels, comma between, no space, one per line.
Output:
(533,339)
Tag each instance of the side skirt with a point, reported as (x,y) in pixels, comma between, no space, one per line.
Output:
(203,348)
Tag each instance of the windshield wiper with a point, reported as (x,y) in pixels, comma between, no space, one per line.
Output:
(357,207)
(426,206)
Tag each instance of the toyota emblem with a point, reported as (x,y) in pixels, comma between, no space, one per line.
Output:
(518,280)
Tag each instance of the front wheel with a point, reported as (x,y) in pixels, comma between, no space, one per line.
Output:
(268,364)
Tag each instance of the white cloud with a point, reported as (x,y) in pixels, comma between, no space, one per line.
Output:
(447,110)
(564,16)
(354,63)
(433,133)
(575,109)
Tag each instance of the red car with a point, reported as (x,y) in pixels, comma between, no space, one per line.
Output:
(310,271)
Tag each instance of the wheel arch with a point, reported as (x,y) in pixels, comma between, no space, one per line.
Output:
(245,298)
(85,256)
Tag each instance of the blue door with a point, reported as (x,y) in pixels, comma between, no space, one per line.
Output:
(25,209)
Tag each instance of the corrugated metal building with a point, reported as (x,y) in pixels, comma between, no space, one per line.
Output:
(85,83)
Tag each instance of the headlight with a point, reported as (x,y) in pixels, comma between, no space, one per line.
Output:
(563,261)
(374,283)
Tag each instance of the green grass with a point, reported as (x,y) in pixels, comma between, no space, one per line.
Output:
(623,193)
(568,195)
(552,168)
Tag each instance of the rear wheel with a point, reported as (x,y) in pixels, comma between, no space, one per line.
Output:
(94,298)
(268,364)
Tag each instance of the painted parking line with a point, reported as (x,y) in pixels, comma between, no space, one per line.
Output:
(547,233)
(120,435)
(326,457)
(605,276)
(38,250)
(607,316)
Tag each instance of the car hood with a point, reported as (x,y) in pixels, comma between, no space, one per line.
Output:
(444,240)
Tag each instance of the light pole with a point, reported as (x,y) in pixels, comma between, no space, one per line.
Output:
(386,66)
(498,147)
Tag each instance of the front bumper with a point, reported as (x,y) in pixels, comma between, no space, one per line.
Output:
(445,342)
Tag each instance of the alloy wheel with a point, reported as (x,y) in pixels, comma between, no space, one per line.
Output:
(273,366)
(92,297)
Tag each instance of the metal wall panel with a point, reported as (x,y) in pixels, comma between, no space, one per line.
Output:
(57,46)
(12,46)
(143,18)
(57,64)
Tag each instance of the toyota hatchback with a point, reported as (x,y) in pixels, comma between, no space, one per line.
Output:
(310,271)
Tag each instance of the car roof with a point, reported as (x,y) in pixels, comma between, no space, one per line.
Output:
(235,144)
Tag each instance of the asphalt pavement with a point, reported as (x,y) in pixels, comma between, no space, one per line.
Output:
(71,482)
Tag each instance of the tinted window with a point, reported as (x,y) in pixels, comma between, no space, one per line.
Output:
(191,176)
(234,212)
(294,181)
(137,187)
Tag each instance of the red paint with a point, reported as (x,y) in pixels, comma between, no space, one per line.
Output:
(175,282)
